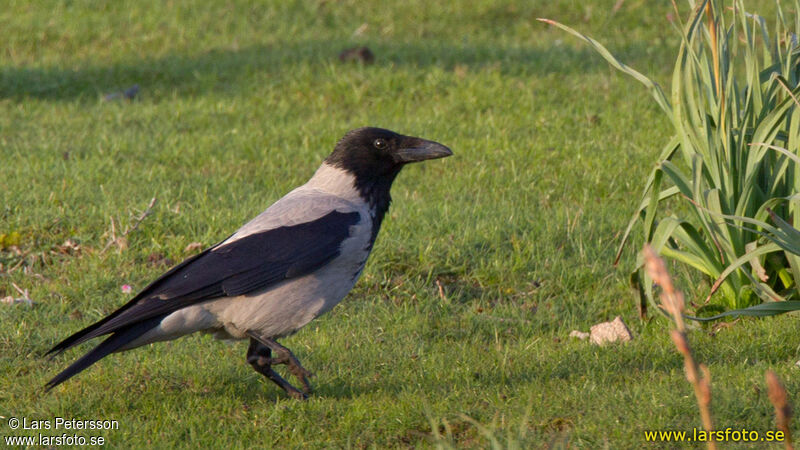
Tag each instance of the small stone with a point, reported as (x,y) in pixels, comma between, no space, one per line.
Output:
(613,331)
(579,334)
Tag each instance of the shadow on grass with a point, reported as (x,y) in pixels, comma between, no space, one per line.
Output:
(223,69)
(612,365)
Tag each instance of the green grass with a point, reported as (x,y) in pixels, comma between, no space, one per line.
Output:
(239,104)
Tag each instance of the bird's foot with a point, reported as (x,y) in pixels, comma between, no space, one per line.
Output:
(259,355)
(285,385)
(285,356)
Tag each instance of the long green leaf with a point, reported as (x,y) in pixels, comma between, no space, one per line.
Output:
(760,310)
(653,87)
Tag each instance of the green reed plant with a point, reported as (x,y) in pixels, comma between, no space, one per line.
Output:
(732,166)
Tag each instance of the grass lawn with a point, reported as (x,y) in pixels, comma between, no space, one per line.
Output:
(238,104)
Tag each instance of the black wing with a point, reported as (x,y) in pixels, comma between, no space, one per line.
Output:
(246,265)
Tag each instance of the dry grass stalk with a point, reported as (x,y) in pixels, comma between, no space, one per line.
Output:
(22,292)
(780,400)
(671,298)
(121,241)
(672,302)
(441,291)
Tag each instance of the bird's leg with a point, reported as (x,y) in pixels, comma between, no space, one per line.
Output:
(259,356)
(285,356)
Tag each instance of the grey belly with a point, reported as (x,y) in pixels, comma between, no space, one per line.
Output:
(275,312)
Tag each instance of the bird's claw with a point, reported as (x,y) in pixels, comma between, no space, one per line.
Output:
(263,363)
(300,372)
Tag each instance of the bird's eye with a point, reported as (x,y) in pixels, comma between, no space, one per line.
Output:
(380,144)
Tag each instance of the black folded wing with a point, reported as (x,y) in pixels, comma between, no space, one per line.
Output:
(248,264)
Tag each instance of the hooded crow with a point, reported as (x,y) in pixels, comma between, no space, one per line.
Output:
(287,266)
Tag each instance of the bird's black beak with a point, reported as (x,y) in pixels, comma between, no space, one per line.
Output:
(415,149)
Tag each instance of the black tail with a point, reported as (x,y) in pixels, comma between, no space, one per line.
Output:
(75,339)
(118,339)
(89,332)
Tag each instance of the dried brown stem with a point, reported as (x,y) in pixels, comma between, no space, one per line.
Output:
(22,292)
(114,239)
(441,291)
(672,301)
(783,411)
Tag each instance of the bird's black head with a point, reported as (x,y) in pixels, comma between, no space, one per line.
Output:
(370,153)
(374,156)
